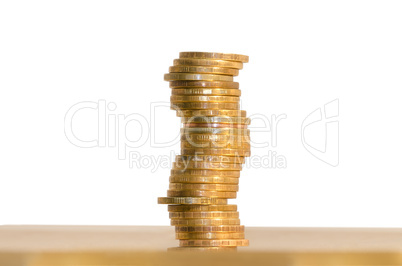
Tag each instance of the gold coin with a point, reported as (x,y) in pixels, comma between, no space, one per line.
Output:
(217,151)
(205,105)
(204,142)
(215,145)
(200,208)
(216,119)
(191,200)
(210,158)
(204,180)
(218,56)
(213,187)
(206,70)
(206,91)
(197,138)
(214,125)
(211,235)
(204,222)
(202,249)
(207,62)
(203,84)
(203,215)
(190,76)
(196,172)
(217,131)
(218,139)
(220,228)
(203,138)
(201,193)
(206,165)
(214,243)
(191,113)
(203,98)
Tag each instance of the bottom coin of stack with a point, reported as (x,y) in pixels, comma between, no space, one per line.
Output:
(205,223)
(214,144)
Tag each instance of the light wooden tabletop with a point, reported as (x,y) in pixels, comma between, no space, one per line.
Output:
(147,245)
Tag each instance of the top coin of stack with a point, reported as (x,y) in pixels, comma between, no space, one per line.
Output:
(214,142)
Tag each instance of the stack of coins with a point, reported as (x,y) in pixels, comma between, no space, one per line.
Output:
(214,144)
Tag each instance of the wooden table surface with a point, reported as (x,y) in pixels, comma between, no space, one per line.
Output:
(147,245)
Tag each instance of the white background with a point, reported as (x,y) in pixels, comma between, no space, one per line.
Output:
(55,54)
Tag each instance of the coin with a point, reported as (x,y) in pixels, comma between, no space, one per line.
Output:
(204,105)
(235,140)
(197,138)
(192,76)
(206,91)
(210,158)
(207,62)
(230,144)
(201,193)
(214,187)
(219,56)
(206,70)
(213,125)
(216,151)
(208,130)
(214,144)
(203,98)
(216,119)
(209,172)
(214,243)
(202,249)
(204,222)
(203,84)
(191,200)
(200,208)
(211,235)
(191,113)
(219,228)
(204,180)
(206,165)
(203,215)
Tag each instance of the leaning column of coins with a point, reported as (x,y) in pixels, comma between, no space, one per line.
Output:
(214,144)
